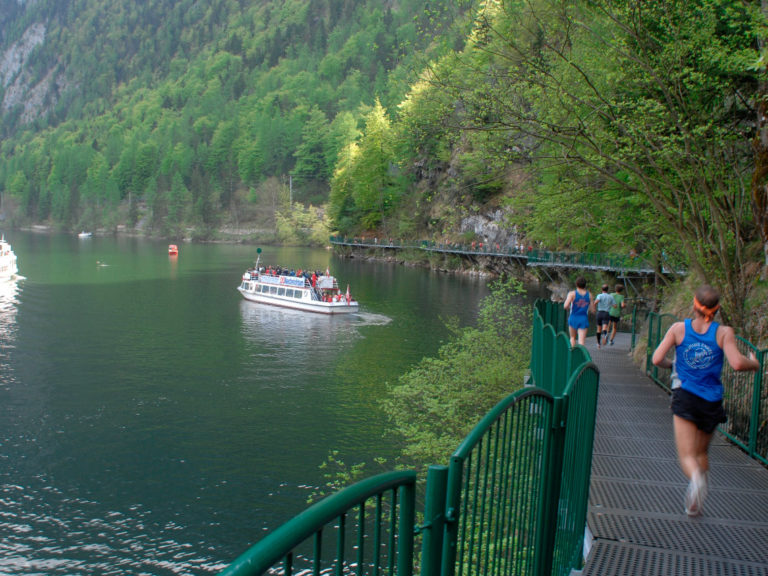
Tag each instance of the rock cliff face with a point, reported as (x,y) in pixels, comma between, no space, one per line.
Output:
(490,228)
(19,88)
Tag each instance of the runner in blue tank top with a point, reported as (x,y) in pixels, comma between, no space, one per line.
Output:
(697,393)
(579,303)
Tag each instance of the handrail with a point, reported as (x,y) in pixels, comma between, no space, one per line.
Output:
(278,544)
(474,437)
(515,494)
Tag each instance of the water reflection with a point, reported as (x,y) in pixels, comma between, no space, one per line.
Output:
(9,292)
(290,342)
(48,532)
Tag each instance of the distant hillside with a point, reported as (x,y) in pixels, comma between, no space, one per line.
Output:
(182,114)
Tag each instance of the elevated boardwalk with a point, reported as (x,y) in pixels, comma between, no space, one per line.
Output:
(544,259)
(636,497)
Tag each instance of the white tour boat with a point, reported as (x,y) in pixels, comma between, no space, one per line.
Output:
(8,269)
(300,292)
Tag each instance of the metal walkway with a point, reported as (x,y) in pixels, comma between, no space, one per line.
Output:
(621,265)
(636,511)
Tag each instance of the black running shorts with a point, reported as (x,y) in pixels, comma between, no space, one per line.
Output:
(705,414)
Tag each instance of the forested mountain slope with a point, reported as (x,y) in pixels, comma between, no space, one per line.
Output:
(193,113)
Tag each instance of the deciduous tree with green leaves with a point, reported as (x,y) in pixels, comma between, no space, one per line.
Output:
(364,189)
(437,403)
(651,100)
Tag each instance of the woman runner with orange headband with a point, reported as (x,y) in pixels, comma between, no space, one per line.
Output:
(697,392)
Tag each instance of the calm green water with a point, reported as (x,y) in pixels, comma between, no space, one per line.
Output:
(153,422)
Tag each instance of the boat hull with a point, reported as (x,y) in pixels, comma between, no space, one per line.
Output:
(8,268)
(319,307)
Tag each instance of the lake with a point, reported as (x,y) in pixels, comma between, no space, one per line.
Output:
(154,422)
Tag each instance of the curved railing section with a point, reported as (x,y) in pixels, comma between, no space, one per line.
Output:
(744,393)
(497,484)
(576,465)
(371,531)
(518,486)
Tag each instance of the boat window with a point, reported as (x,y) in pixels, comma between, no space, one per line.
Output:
(281,291)
(273,289)
(289,292)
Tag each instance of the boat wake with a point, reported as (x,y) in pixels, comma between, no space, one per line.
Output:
(370,319)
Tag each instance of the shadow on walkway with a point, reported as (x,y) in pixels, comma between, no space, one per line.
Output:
(636,512)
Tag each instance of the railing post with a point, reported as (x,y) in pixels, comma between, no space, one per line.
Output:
(757,394)
(649,350)
(451,532)
(405,529)
(550,490)
(634,326)
(434,520)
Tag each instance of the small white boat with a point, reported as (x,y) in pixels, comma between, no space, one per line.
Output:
(8,268)
(85,234)
(309,293)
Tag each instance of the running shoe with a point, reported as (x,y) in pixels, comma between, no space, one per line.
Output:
(703,486)
(694,495)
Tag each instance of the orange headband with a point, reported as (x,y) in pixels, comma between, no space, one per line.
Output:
(708,313)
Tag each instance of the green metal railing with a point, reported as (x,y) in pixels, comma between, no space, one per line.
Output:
(576,465)
(744,393)
(375,538)
(533,257)
(513,499)
(497,485)
(518,486)
(589,260)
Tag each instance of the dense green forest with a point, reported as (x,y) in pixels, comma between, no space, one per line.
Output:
(605,126)
(195,114)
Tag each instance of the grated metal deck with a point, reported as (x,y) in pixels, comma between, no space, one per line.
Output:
(636,513)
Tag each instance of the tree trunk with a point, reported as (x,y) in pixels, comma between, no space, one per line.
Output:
(760,176)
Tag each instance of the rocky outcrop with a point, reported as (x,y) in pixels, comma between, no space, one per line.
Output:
(490,229)
(19,89)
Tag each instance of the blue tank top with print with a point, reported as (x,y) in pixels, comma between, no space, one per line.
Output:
(699,362)
(580,305)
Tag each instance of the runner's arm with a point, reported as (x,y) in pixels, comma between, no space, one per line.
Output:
(670,340)
(737,360)
(568,300)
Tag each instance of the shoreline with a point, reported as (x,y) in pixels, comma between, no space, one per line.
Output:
(487,271)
